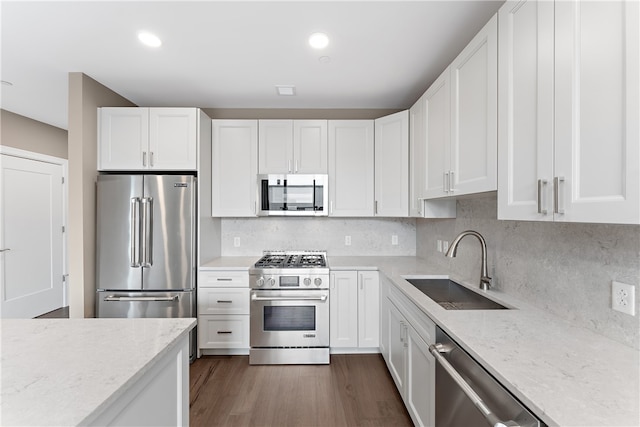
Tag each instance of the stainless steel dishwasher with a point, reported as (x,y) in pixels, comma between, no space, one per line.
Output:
(467,395)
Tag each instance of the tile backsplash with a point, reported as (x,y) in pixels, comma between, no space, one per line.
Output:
(369,236)
(562,268)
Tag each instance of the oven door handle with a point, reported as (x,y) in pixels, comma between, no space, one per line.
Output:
(299,298)
(435,350)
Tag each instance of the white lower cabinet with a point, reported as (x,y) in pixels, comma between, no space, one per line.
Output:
(354,303)
(223,312)
(410,364)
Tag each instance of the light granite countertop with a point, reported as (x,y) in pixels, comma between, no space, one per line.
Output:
(65,371)
(230,263)
(566,375)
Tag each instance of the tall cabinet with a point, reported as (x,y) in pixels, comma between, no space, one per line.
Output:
(568,112)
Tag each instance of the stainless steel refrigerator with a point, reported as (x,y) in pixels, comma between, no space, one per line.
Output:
(146,246)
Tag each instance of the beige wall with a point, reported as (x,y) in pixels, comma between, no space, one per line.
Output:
(290,113)
(30,135)
(85,96)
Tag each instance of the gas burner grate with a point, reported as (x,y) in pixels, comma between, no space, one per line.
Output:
(291,261)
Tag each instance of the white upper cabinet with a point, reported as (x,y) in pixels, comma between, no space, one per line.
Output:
(417,157)
(292,146)
(351,168)
(234,168)
(123,138)
(437,112)
(392,165)
(310,146)
(132,138)
(474,115)
(461,121)
(569,133)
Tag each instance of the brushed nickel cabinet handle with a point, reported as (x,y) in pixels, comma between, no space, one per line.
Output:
(541,184)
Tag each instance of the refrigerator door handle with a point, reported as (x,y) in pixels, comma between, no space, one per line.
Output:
(147,231)
(135,232)
(141,299)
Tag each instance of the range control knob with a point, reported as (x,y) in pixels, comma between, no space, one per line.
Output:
(260,282)
(307,281)
(271,281)
(318,281)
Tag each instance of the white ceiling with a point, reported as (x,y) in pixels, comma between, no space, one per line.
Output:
(231,54)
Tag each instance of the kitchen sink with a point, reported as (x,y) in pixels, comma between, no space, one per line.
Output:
(452,296)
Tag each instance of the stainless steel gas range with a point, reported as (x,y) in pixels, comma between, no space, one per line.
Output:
(290,308)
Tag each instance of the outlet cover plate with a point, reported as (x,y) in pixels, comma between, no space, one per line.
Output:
(623,298)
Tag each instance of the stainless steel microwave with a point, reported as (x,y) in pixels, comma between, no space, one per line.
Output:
(293,195)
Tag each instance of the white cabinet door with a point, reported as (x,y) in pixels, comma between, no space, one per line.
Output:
(368,309)
(310,146)
(384,317)
(437,113)
(343,309)
(597,98)
(417,157)
(351,168)
(234,168)
(420,381)
(173,138)
(275,146)
(525,110)
(392,165)
(124,138)
(397,346)
(474,93)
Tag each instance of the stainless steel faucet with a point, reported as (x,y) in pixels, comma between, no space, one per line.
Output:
(485,280)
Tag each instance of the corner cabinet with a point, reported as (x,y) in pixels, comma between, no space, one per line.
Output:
(292,146)
(392,165)
(461,121)
(351,168)
(354,311)
(132,138)
(234,168)
(569,97)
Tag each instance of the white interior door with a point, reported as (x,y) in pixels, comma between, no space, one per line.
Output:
(31,237)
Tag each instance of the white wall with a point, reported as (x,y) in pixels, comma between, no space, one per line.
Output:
(565,269)
(370,236)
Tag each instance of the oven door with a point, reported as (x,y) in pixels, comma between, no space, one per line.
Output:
(289,318)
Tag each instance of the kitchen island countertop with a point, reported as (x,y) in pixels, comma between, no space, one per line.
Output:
(68,371)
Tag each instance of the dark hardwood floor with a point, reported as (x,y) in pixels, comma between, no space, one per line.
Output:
(354,390)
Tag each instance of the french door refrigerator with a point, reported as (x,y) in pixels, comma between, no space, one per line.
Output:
(145,246)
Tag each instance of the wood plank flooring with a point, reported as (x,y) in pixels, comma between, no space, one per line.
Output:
(354,390)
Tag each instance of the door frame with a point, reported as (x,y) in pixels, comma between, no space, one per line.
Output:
(30,155)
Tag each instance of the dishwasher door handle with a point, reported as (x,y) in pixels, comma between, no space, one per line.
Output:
(435,350)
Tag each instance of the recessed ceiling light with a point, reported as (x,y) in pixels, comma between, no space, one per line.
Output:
(324,59)
(6,83)
(318,40)
(286,90)
(149,39)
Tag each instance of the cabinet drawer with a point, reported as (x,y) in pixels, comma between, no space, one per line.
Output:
(229,331)
(223,301)
(224,279)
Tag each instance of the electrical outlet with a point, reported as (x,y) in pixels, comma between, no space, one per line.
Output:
(445,246)
(439,245)
(236,242)
(623,298)
(347,240)
(394,239)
